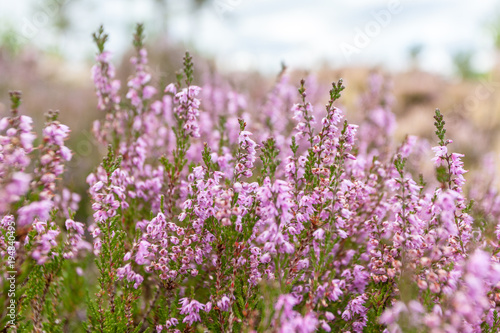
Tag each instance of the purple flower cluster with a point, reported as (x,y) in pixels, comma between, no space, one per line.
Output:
(16,142)
(341,228)
(34,201)
(219,212)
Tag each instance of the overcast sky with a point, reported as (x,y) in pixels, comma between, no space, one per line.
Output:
(259,34)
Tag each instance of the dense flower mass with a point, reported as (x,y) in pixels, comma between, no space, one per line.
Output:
(217,212)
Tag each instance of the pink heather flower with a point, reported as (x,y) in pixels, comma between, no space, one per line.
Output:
(56,133)
(287,247)
(285,303)
(182,216)
(138,280)
(97,186)
(27,141)
(325,326)
(265,258)
(171,89)
(479,263)
(19,184)
(208,306)
(224,303)
(194,91)
(191,309)
(408,146)
(148,92)
(355,309)
(188,109)
(440,155)
(319,234)
(361,277)
(40,226)
(290,320)
(44,243)
(302,264)
(66,153)
(4,123)
(40,209)
(391,315)
(171,322)
(142,254)
(77,226)
(25,123)
(384,119)
(416,307)
(350,134)
(199,172)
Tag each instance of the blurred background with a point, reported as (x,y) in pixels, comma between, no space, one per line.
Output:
(436,54)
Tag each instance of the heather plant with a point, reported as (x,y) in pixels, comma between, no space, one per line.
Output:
(214,212)
(39,235)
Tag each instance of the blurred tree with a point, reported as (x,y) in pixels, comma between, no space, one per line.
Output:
(494,29)
(199,3)
(9,41)
(415,51)
(463,64)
